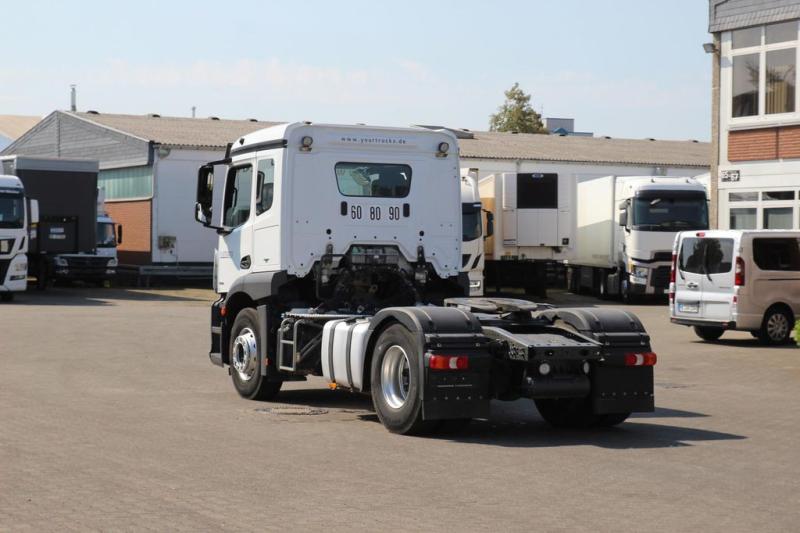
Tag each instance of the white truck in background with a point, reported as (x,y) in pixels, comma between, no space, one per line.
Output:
(100,265)
(473,233)
(532,215)
(17,215)
(625,228)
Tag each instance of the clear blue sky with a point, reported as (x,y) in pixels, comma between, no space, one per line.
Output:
(626,68)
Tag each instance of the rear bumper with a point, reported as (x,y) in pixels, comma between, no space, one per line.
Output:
(730,324)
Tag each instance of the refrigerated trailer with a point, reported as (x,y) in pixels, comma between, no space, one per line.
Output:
(533,227)
(66,191)
(625,227)
(339,255)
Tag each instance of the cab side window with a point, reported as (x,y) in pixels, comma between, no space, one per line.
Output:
(237,196)
(265,185)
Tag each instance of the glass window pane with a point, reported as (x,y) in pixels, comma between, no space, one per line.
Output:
(719,256)
(237,196)
(777,195)
(746,37)
(691,256)
(126,183)
(777,254)
(471,221)
(266,185)
(745,85)
(778,218)
(743,197)
(780,33)
(376,180)
(743,218)
(781,74)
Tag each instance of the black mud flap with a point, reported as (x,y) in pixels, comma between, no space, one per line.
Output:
(453,394)
(616,388)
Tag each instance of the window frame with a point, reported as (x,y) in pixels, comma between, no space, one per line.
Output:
(231,175)
(761,49)
(761,203)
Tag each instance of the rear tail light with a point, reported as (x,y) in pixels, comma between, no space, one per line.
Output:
(448,362)
(672,270)
(738,278)
(641,359)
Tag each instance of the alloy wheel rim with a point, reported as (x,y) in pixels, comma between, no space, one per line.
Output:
(244,358)
(395,376)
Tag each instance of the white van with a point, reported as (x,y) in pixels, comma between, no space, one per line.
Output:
(742,280)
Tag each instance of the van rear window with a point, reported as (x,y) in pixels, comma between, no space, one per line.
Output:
(706,256)
(773,253)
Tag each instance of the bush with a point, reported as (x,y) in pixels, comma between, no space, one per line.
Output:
(797,332)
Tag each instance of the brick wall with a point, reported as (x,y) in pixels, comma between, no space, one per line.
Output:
(764,144)
(135,218)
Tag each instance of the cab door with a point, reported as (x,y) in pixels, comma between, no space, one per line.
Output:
(689,278)
(234,257)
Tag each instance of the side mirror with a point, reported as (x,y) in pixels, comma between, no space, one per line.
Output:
(34,211)
(205,194)
(489,224)
(119,234)
(623,218)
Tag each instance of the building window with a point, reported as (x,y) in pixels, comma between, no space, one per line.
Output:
(780,81)
(133,183)
(778,218)
(743,197)
(743,218)
(745,85)
(764,61)
(776,195)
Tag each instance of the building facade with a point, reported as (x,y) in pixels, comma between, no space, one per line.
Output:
(755,174)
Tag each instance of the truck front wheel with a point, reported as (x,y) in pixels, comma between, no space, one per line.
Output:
(396,381)
(245,366)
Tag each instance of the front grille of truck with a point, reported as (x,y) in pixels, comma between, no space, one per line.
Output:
(660,277)
(662,256)
(87,262)
(4,263)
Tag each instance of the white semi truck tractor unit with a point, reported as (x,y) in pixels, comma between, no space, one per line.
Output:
(339,256)
(473,233)
(17,215)
(625,229)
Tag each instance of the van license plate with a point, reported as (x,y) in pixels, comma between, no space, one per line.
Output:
(688,308)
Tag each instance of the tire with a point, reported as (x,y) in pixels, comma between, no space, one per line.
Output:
(245,365)
(708,333)
(396,381)
(625,293)
(7,297)
(602,286)
(777,326)
(576,413)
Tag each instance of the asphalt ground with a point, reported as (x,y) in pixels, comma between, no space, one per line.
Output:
(112,418)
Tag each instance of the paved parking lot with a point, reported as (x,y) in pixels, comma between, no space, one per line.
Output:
(112,418)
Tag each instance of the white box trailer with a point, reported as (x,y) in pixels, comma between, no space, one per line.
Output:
(625,226)
(533,226)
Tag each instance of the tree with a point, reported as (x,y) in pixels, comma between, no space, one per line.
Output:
(516,114)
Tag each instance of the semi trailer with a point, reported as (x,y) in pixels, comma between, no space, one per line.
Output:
(339,255)
(66,191)
(625,229)
(18,214)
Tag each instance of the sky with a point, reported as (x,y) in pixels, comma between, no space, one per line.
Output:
(624,68)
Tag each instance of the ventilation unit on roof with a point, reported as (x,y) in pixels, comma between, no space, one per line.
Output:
(213,118)
(252,120)
(154,115)
(92,112)
(460,133)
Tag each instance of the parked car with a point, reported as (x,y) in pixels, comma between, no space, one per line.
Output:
(736,280)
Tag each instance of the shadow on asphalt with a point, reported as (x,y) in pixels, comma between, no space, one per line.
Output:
(518,425)
(748,343)
(96,296)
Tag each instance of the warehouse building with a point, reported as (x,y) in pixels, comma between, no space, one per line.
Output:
(755,172)
(148,166)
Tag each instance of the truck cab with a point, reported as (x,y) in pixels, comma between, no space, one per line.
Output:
(17,214)
(472,234)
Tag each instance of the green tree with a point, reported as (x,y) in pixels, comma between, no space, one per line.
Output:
(516,114)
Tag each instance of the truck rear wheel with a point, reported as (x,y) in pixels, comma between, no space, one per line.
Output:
(245,363)
(708,333)
(576,413)
(396,381)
